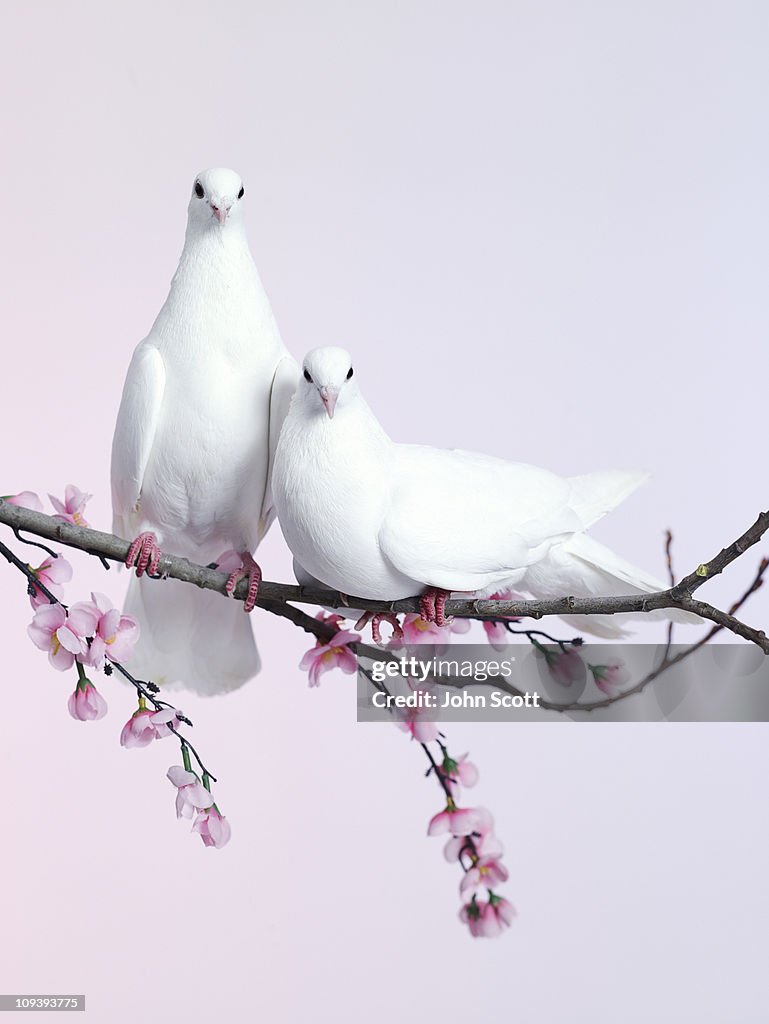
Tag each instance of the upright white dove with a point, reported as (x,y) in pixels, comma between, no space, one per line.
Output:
(385,521)
(203,402)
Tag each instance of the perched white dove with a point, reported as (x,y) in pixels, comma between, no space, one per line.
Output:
(385,521)
(202,406)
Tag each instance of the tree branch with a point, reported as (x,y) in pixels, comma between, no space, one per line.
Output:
(107,545)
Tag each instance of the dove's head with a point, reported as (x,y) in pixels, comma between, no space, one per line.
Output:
(216,200)
(327,380)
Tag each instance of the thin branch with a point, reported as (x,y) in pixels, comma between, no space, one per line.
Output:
(672,579)
(724,557)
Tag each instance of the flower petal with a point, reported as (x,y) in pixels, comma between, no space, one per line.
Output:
(180,776)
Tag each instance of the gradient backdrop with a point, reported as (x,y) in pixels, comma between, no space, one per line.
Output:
(541,229)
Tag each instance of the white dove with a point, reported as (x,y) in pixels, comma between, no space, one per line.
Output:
(202,406)
(385,521)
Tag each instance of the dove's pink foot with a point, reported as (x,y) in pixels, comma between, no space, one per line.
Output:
(251,569)
(432,606)
(145,554)
(381,617)
(376,621)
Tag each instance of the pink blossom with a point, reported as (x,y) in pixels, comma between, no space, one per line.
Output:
(459,821)
(460,771)
(460,625)
(485,842)
(86,704)
(609,678)
(334,654)
(63,634)
(146,725)
(191,796)
(488,871)
(116,634)
(52,573)
(488,920)
(411,720)
(25,499)
(214,829)
(497,635)
(417,631)
(163,721)
(455,847)
(71,509)
(566,667)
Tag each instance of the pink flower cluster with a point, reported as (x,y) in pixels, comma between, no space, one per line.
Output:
(55,570)
(90,632)
(475,847)
(192,797)
(69,511)
(487,920)
(334,654)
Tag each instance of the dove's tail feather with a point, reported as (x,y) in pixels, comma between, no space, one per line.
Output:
(190,639)
(595,494)
(582,567)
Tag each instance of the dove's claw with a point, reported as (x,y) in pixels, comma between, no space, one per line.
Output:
(381,617)
(364,620)
(145,554)
(432,606)
(251,569)
(376,619)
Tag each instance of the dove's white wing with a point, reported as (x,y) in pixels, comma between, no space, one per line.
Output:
(464,521)
(283,388)
(134,434)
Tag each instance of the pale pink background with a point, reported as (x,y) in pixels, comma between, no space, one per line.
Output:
(541,228)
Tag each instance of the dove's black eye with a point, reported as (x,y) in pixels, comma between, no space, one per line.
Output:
(307,377)
(349,373)
(241,193)
(199,190)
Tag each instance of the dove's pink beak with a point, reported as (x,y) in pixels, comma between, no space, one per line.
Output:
(220,211)
(329,396)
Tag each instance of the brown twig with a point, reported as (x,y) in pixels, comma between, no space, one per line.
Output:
(672,580)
